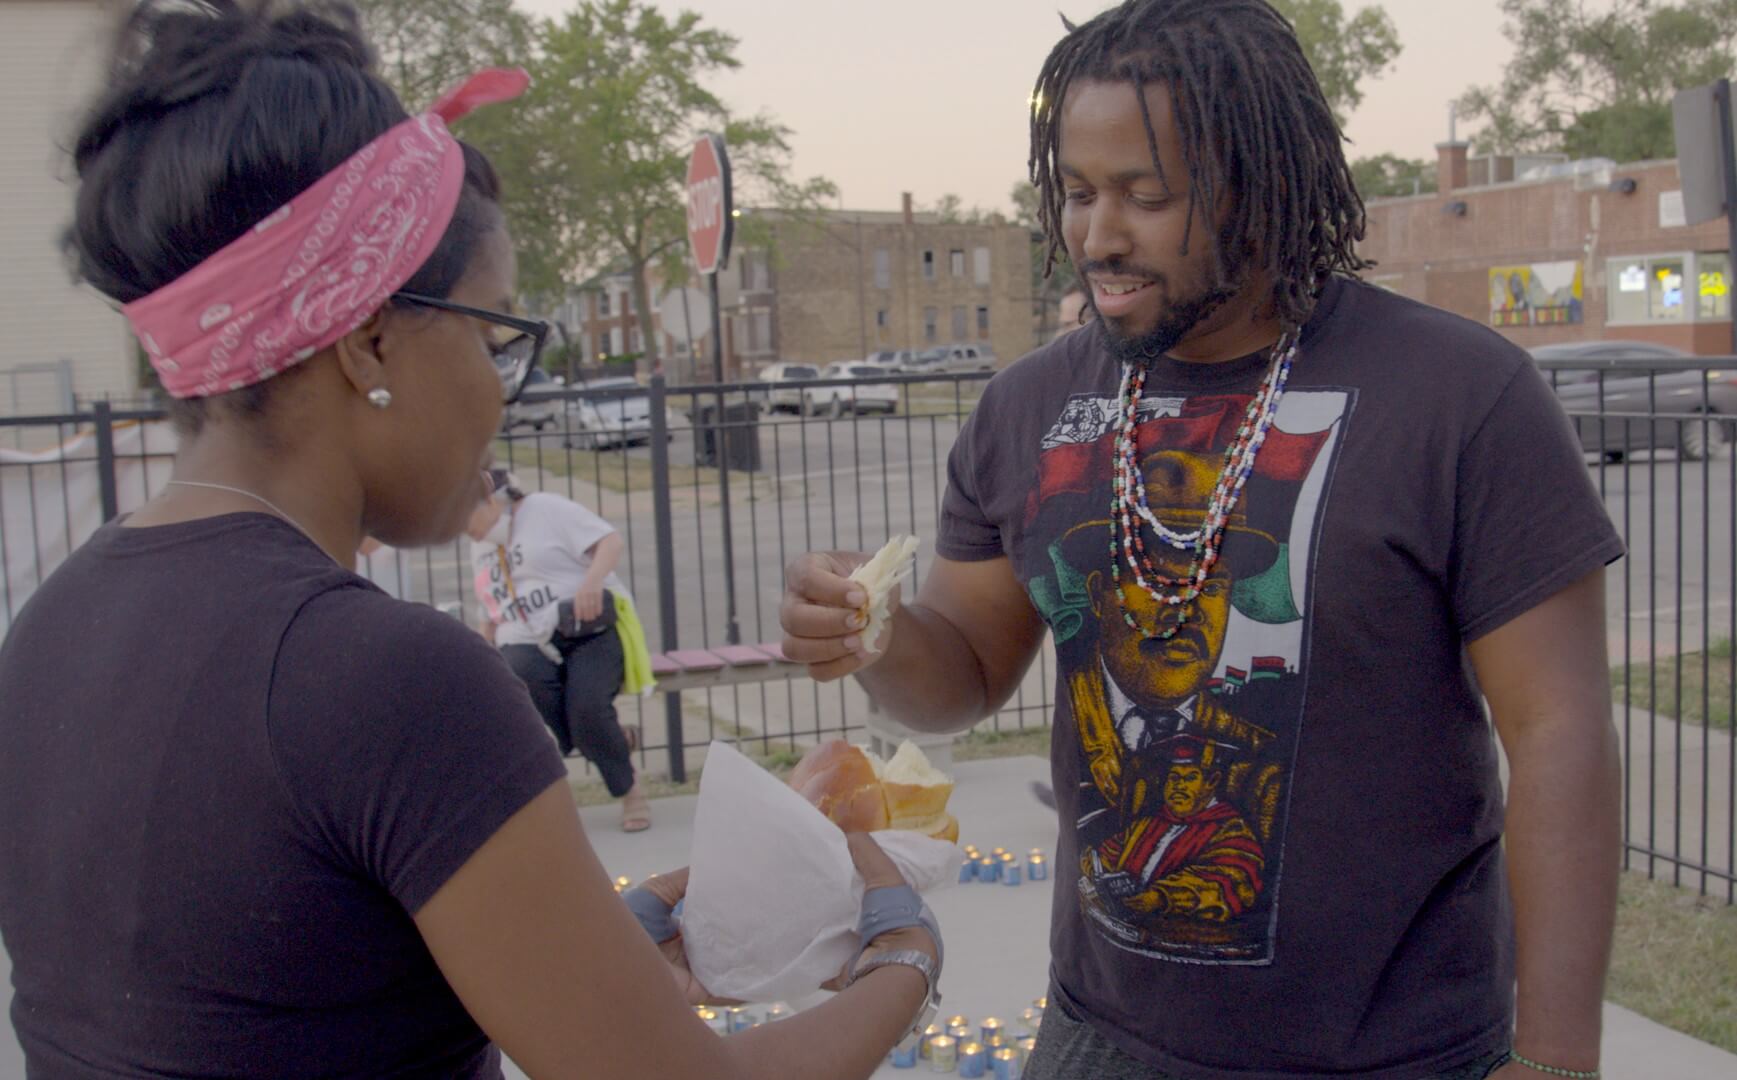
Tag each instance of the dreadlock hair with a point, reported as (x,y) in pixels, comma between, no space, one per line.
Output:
(1253,122)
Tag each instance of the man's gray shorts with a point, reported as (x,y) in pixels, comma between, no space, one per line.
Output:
(1069,1049)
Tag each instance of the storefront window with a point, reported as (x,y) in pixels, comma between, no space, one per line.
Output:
(1665,293)
(1628,291)
(1714,279)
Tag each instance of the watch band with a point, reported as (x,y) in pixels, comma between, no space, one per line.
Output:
(910,958)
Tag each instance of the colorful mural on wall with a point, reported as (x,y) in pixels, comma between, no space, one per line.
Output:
(1537,294)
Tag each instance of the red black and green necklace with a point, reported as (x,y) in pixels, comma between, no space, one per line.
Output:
(1128,506)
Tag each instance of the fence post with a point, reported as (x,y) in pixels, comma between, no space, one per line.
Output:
(664,528)
(105,445)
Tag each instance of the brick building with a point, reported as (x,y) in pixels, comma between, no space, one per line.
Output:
(855,282)
(1561,252)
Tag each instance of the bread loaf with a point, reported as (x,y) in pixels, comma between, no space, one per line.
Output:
(860,793)
(842,783)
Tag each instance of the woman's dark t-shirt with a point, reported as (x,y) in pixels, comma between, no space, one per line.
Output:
(232,771)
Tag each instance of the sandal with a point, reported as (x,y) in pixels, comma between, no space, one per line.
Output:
(635,811)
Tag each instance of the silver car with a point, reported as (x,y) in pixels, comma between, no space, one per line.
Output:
(1612,397)
(598,423)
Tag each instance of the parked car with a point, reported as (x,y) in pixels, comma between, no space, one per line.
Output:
(599,423)
(859,397)
(1615,382)
(950,358)
(891,359)
(537,408)
(786,398)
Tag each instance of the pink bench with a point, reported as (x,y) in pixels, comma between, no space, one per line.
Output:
(724,665)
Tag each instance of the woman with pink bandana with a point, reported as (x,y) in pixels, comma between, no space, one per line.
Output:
(257,818)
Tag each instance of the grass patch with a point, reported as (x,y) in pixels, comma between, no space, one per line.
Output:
(1675,960)
(941,400)
(613,470)
(779,756)
(979,745)
(1653,686)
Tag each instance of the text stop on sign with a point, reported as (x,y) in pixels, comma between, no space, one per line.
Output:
(710,223)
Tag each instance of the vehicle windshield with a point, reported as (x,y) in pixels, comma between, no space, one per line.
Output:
(798,371)
(865,372)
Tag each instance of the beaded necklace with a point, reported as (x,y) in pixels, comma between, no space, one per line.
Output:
(1128,506)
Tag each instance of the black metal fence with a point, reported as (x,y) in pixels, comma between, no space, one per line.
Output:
(717,488)
(1660,436)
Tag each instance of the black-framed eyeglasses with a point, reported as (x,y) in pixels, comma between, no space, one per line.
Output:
(515,355)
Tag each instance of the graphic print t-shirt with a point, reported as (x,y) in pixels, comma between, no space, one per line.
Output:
(1280,827)
(539,562)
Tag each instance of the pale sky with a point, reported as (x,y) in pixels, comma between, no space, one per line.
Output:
(929,96)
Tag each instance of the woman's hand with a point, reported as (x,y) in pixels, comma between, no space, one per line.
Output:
(588,604)
(879,872)
(670,888)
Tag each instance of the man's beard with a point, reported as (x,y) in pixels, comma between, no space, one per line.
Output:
(1175,324)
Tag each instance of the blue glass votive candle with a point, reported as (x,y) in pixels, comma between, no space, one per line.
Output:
(967,871)
(1036,868)
(988,870)
(1010,874)
(904,1055)
(1007,1064)
(973,1061)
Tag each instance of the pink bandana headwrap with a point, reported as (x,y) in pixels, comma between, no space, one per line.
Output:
(321,265)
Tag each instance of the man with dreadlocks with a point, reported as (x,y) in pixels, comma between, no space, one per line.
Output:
(1261,505)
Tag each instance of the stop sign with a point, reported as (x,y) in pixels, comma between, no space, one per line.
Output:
(709,219)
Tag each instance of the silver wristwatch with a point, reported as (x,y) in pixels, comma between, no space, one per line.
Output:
(910,958)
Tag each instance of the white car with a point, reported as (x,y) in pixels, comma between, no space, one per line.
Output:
(890,360)
(537,407)
(785,398)
(598,423)
(859,397)
(949,358)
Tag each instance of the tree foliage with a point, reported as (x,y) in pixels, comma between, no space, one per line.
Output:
(1345,52)
(1387,175)
(1596,79)
(594,157)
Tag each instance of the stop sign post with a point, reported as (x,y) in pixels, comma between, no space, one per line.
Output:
(711,226)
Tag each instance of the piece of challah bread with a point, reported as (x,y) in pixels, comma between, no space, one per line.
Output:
(860,793)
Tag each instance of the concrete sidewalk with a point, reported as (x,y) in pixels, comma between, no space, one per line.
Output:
(997,936)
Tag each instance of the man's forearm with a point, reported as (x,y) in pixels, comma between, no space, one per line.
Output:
(929,679)
(1563,848)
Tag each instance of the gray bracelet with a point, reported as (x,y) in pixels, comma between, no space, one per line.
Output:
(896,907)
(657,917)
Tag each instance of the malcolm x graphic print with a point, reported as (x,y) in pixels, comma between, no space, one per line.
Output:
(1186,743)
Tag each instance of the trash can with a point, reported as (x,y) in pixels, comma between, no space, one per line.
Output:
(739,436)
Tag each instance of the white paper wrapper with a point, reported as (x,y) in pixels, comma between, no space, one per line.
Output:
(773,897)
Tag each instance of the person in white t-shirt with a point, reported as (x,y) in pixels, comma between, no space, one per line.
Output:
(385,567)
(532,555)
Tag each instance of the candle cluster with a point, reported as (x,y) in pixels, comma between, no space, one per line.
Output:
(990,1050)
(1002,867)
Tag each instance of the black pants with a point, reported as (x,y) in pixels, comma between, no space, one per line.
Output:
(577,700)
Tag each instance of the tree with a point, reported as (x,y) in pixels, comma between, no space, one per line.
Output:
(950,210)
(1049,283)
(617,100)
(427,47)
(1344,52)
(1599,83)
(1386,175)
